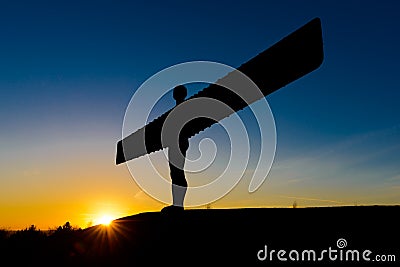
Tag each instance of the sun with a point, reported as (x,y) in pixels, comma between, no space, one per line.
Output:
(105,220)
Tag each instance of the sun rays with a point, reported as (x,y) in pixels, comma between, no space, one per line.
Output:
(105,220)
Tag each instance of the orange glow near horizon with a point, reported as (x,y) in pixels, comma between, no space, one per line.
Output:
(82,190)
(105,220)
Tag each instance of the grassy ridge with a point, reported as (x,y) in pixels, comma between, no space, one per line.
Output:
(211,236)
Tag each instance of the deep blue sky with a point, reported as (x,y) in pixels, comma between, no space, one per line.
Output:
(74,51)
(69,68)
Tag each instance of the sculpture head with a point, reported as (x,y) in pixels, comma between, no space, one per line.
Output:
(180,93)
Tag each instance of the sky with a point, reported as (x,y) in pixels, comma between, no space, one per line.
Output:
(68,70)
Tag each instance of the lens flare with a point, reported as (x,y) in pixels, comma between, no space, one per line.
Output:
(105,220)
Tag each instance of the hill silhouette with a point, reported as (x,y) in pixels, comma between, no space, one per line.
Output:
(220,236)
